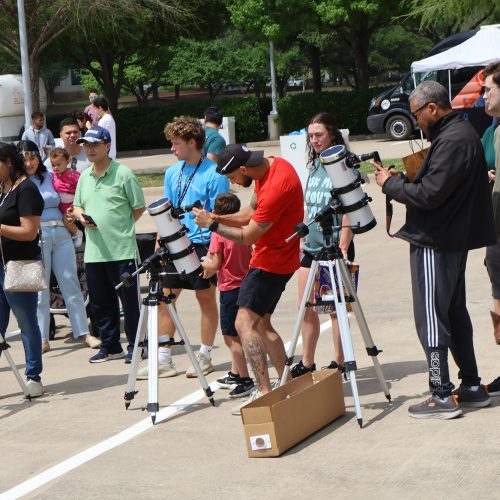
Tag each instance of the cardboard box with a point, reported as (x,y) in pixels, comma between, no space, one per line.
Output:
(282,418)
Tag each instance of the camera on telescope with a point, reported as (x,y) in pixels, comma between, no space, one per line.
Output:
(179,212)
(353,160)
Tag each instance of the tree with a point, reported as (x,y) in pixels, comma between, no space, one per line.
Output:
(118,22)
(107,46)
(280,21)
(46,20)
(207,63)
(387,56)
(438,19)
(356,22)
(8,65)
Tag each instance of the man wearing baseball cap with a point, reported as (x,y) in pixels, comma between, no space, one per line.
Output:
(108,201)
(277,206)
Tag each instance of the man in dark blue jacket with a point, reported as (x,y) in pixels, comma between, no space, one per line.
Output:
(448,213)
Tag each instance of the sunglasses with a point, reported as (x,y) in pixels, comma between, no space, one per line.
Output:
(29,154)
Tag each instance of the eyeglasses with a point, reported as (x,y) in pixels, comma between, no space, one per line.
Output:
(92,97)
(417,111)
(92,145)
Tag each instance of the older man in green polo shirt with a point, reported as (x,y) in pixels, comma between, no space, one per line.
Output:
(108,201)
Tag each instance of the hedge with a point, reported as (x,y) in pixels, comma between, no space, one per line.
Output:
(142,127)
(349,107)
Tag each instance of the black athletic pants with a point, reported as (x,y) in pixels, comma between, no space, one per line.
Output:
(441,317)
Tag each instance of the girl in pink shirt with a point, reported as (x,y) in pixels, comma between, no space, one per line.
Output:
(64,181)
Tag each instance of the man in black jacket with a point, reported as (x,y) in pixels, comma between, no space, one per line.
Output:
(448,213)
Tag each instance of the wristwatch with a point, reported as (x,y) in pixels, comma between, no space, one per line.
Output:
(213,226)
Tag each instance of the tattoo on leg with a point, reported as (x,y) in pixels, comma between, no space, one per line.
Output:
(255,353)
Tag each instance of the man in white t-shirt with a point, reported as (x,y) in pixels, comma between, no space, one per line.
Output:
(106,121)
(69,132)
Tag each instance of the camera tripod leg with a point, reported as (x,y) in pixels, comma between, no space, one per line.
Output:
(203,381)
(371,349)
(130,391)
(153,405)
(345,335)
(3,348)
(298,322)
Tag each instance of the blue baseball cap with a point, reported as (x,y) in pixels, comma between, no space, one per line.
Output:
(95,134)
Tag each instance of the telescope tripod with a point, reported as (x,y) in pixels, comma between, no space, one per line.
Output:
(3,348)
(331,253)
(148,323)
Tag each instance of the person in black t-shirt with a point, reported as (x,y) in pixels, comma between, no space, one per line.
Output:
(20,208)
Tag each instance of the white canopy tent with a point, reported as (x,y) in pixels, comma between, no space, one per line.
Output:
(480,50)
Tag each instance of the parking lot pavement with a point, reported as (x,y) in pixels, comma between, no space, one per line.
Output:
(78,441)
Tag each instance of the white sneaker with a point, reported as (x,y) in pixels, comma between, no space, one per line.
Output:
(255,395)
(205,365)
(164,371)
(35,389)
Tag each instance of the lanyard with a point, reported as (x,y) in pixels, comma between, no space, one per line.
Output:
(181,196)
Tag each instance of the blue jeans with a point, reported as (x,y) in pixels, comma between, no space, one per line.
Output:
(102,277)
(23,305)
(59,256)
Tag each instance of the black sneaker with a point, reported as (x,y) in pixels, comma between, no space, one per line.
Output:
(102,356)
(244,388)
(299,369)
(334,366)
(467,398)
(494,388)
(230,381)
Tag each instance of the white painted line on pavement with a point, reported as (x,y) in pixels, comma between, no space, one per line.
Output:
(100,448)
(94,451)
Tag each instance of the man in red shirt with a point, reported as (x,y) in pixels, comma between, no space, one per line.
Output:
(277,206)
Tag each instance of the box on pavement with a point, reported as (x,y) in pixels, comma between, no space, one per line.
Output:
(282,418)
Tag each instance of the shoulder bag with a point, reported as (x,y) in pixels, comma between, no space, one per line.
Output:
(23,275)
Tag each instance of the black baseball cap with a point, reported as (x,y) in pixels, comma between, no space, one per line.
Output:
(235,156)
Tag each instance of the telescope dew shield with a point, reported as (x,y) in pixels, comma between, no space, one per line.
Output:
(173,235)
(346,183)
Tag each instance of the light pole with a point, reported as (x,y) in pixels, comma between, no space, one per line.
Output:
(25,66)
(272,125)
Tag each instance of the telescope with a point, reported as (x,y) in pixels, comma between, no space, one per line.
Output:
(341,167)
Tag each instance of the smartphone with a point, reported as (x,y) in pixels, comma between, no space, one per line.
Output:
(89,219)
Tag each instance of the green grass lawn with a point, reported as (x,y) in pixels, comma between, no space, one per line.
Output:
(150,180)
(367,168)
(156,180)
